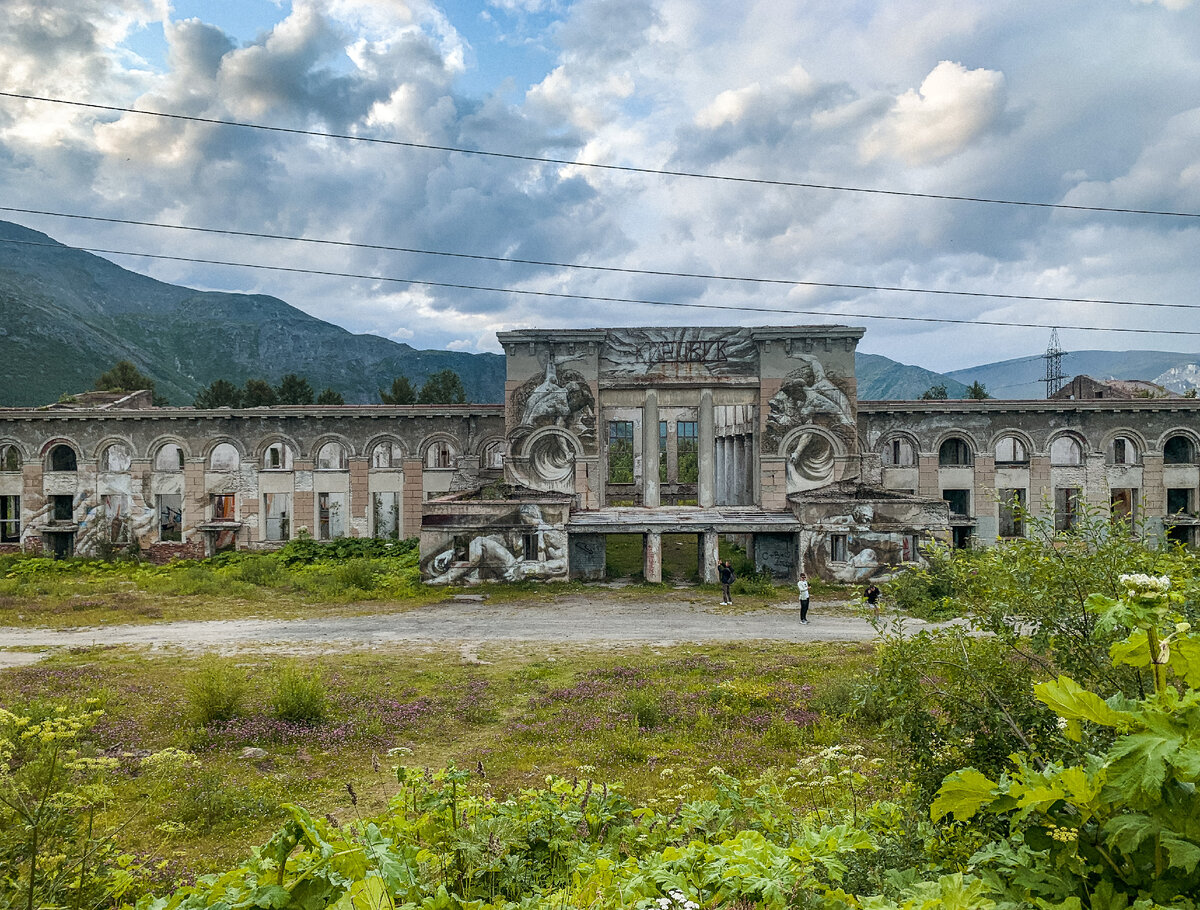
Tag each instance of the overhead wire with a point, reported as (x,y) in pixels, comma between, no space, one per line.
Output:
(657,273)
(568,162)
(605,299)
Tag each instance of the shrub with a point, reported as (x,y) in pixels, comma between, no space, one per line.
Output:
(264,571)
(359,574)
(216,692)
(299,696)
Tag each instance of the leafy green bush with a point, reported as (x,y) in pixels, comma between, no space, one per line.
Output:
(216,692)
(360,574)
(264,571)
(305,551)
(299,696)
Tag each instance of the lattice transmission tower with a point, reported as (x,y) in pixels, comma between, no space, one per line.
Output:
(1054,373)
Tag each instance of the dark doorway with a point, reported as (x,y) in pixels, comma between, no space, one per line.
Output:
(59,545)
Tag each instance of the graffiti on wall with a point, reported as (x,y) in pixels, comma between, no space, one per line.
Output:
(512,546)
(809,397)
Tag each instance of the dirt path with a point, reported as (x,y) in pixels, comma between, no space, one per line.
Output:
(583,619)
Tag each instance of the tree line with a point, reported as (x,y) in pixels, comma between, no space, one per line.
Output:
(443,387)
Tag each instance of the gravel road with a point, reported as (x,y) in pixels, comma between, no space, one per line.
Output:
(582,619)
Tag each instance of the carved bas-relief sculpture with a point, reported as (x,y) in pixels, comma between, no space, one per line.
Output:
(664,354)
(810,401)
(557,419)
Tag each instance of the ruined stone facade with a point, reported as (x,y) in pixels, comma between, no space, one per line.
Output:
(752,432)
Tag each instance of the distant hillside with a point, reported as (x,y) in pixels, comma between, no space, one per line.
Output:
(67,316)
(881,379)
(1021,378)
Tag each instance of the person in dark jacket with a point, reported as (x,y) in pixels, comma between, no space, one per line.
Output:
(725,573)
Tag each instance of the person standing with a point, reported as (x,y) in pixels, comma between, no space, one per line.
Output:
(872,597)
(725,573)
(802,586)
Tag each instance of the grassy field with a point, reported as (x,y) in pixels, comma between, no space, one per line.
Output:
(328,724)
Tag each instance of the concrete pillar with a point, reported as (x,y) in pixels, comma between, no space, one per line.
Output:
(739,469)
(652,552)
(1154,488)
(358,502)
(650,454)
(707,557)
(705,493)
(928,483)
(798,543)
(1041,493)
(730,471)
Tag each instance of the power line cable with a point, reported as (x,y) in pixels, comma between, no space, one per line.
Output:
(603,299)
(623,168)
(657,273)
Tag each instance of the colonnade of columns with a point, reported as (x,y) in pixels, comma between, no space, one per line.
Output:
(706,556)
(734,457)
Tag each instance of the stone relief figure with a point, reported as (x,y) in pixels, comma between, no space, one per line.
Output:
(562,398)
(668,353)
(808,396)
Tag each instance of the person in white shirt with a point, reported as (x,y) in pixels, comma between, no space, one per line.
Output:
(802,586)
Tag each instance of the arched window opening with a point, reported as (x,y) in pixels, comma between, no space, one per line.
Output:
(899,453)
(10,458)
(277,457)
(387,455)
(169,458)
(1179,450)
(1122,450)
(116,458)
(1066,452)
(954,452)
(225,457)
(493,456)
(439,455)
(62,458)
(1011,450)
(332,457)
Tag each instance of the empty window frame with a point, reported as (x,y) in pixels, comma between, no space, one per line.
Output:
(493,456)
(1012,513)
(1066,452)
(387,455)
(331,516)
(63,458)
(838,548)
(439,455)
(10,519)
(277,457)
(169,459)
(960,502)
(662,451)
(1066,508)
(277,516)
(224,506)
(332,457)
(385,515)
(170,517)
(899,453)
(529,547)
(1179,450)
(116,459)
(224,457)
(1180,500)
(687,453)
(1123,506)
(620,451)
(10,458)
(1122,451)
(960,537)
(954,452)
(1011,450)
(62,507)
(910,547)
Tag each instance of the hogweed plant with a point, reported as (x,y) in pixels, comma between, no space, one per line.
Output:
(1121,826)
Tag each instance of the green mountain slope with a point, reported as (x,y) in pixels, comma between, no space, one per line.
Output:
(882,379)
(66,316)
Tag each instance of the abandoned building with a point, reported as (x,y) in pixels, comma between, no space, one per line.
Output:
(755,433)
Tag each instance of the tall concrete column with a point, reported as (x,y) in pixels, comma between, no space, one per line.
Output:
(707,557)
(730,472)
(739,469)
(650,454)
(706,454)
(652,557)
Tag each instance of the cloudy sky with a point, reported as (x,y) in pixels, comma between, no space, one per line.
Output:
(1078,102)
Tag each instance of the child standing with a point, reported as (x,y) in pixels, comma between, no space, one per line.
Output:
(802,586)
